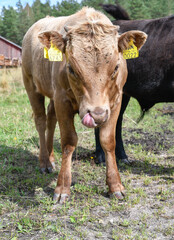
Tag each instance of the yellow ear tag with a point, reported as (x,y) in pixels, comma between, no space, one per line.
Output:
(131,51)
(45,52)
(54,54)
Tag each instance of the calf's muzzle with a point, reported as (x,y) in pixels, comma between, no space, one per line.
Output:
(95,118)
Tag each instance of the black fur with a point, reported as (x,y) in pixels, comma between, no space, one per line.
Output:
(151,76)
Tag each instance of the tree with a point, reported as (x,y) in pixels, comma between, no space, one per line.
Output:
(145,9)
(37,10)
(9,28)
(165,8)
(46,8)
(15,22)
(94,3)
(1,25)
(66,8)
(138,9)
(24,21)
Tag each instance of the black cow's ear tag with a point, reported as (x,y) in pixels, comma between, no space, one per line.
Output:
(131,51)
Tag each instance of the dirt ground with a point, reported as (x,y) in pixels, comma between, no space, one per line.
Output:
(147,212)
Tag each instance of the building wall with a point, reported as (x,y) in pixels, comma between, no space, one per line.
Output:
(8,50)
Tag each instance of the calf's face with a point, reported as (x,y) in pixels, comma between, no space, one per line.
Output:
(91,66)
(94,66)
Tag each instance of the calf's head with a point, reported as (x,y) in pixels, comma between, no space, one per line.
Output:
(94,65)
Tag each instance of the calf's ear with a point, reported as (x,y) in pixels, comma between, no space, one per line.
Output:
(138,37)
(56,38)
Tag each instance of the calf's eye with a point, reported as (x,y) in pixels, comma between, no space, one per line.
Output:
(115,71)
(71,71)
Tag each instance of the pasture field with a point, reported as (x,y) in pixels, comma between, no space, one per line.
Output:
(26,208)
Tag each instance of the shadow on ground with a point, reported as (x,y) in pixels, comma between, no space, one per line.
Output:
(20,175)
(21,178)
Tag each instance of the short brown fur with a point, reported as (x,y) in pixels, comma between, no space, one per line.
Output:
(88,81)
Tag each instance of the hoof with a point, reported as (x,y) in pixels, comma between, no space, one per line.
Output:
(63,198)
(124,161)
(100,159)
(56,197)
(119,195)
(43,170)
(53,165)
(60,198)
(50,169)
(46,170)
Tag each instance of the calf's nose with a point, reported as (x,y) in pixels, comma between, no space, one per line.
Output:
(99,115)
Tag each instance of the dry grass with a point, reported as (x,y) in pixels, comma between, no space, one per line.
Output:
(9,78)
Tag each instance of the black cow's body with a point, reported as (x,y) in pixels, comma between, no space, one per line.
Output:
(151,76)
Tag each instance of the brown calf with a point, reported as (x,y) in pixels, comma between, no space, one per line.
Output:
(88,81)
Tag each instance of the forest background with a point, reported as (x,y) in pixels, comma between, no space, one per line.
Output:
(14,22)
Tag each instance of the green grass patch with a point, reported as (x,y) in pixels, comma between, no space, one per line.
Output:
(26,207)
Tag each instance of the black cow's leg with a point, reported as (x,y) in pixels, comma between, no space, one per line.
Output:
(100,156)
(119,151)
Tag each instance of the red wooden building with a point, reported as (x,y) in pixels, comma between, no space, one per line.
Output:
(10,53)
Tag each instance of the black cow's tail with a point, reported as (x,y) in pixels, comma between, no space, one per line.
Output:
(143,111)
(142,114)
(116,11)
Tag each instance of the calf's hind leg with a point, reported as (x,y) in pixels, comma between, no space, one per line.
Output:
(37,102)
(51,124)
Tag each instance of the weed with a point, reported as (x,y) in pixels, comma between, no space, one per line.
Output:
(26,206)
(125,223)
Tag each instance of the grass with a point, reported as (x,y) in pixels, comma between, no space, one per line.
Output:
(26,207)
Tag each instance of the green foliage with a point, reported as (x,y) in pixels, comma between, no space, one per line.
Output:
(67,7)
(40,10)
(148,9)
(96,3)
(9,26)
(24,21)
(14,22)
(138,9)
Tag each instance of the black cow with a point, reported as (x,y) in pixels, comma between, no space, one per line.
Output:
(151,76)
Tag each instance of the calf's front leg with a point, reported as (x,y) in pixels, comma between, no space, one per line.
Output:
(68,144)
(107,140)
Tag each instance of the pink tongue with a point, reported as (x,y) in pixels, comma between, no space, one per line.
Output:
(88,121)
